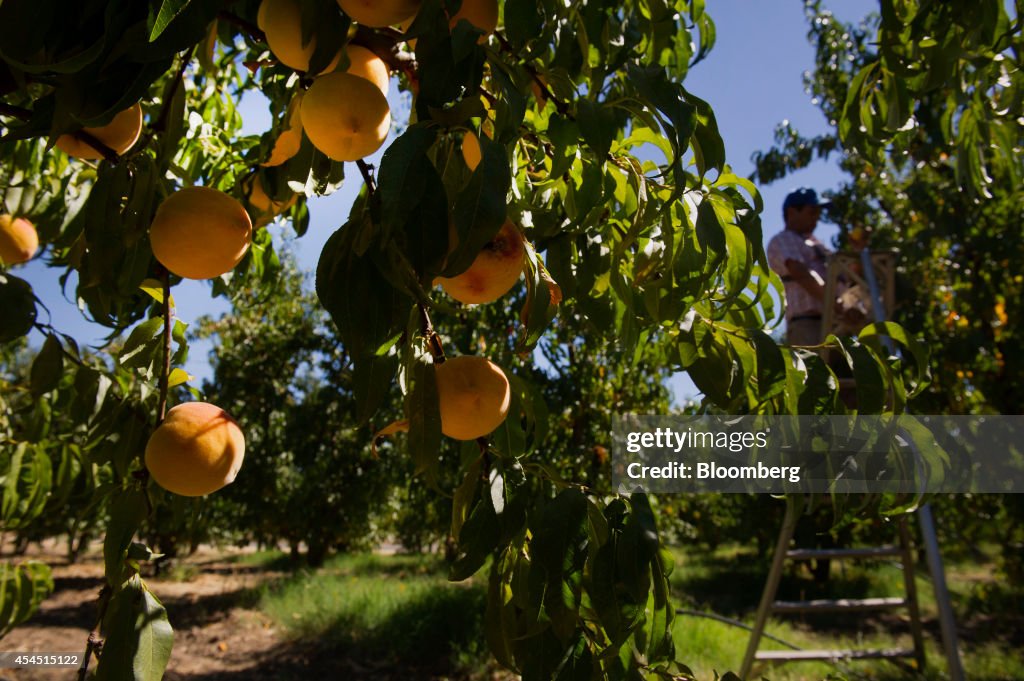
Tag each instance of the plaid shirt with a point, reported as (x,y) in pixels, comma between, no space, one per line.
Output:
(788,245)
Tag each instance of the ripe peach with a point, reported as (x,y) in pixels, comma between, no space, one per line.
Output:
(366,64)
(120,135)
(494,271)
(18,240)
(281,22)
(481,13)
(265,209)
(379,13)
(345,116)
(200,233)
(290,139)
(473,395)
(471,150)
(196,450)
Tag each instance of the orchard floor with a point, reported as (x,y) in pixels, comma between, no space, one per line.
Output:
(221,634)
(249,615)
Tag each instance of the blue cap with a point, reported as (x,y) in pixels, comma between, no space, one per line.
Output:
(804,196)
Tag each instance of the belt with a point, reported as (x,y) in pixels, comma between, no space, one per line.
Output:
(806,317)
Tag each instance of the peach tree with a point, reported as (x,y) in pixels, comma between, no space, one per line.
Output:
(611,172)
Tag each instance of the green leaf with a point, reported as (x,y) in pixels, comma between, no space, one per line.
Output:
(771,365)
(558,554)
(372,378)
(402,184)
(599,125)
(710,231)
(478,538)
(177,377)
(872,335)
(90,391)
(48,367)
(132,354)
(137,635)
(127,511)
(168,11)
(481,208)
(424,420)
(708,147)
(141,552)
(500,616)
(367,309)
(579,663)
(523,21)
(819,395)
(19,307)
(155,290)
(22,588)
(669,98)
(465,493)
(27,481)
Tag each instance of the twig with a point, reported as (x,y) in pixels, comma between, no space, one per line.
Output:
(384,43)
(561,106)
(95,643)
(15,111)
(367,171)
(168,327)
(165,111)
(252,29)
(108,154)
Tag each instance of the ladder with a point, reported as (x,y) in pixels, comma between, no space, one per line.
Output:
(769,606)
(862,280)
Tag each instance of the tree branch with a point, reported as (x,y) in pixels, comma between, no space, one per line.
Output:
(15,111)
(165,371)
(109,155)
(165,111)
(95,643)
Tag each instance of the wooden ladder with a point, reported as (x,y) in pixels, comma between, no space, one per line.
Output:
(863,280)
(768,606)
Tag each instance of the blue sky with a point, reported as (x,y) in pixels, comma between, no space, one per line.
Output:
(752,79)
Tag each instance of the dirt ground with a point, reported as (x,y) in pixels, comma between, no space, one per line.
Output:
(219,635)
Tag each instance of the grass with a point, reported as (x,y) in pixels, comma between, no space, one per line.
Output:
(401,608)
(729,582)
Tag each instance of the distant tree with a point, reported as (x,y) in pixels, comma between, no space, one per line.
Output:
(278,370)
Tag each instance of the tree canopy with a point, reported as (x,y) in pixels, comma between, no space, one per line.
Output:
(640,266)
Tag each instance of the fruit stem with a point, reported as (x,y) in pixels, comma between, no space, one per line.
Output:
(433,340)
(384,43)
(367,171)
(165,372)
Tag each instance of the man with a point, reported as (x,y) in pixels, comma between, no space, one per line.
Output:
(802,262)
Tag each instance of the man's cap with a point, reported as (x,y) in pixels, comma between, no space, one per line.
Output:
(804,196)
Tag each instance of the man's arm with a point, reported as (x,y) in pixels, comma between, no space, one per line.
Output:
(808,279)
